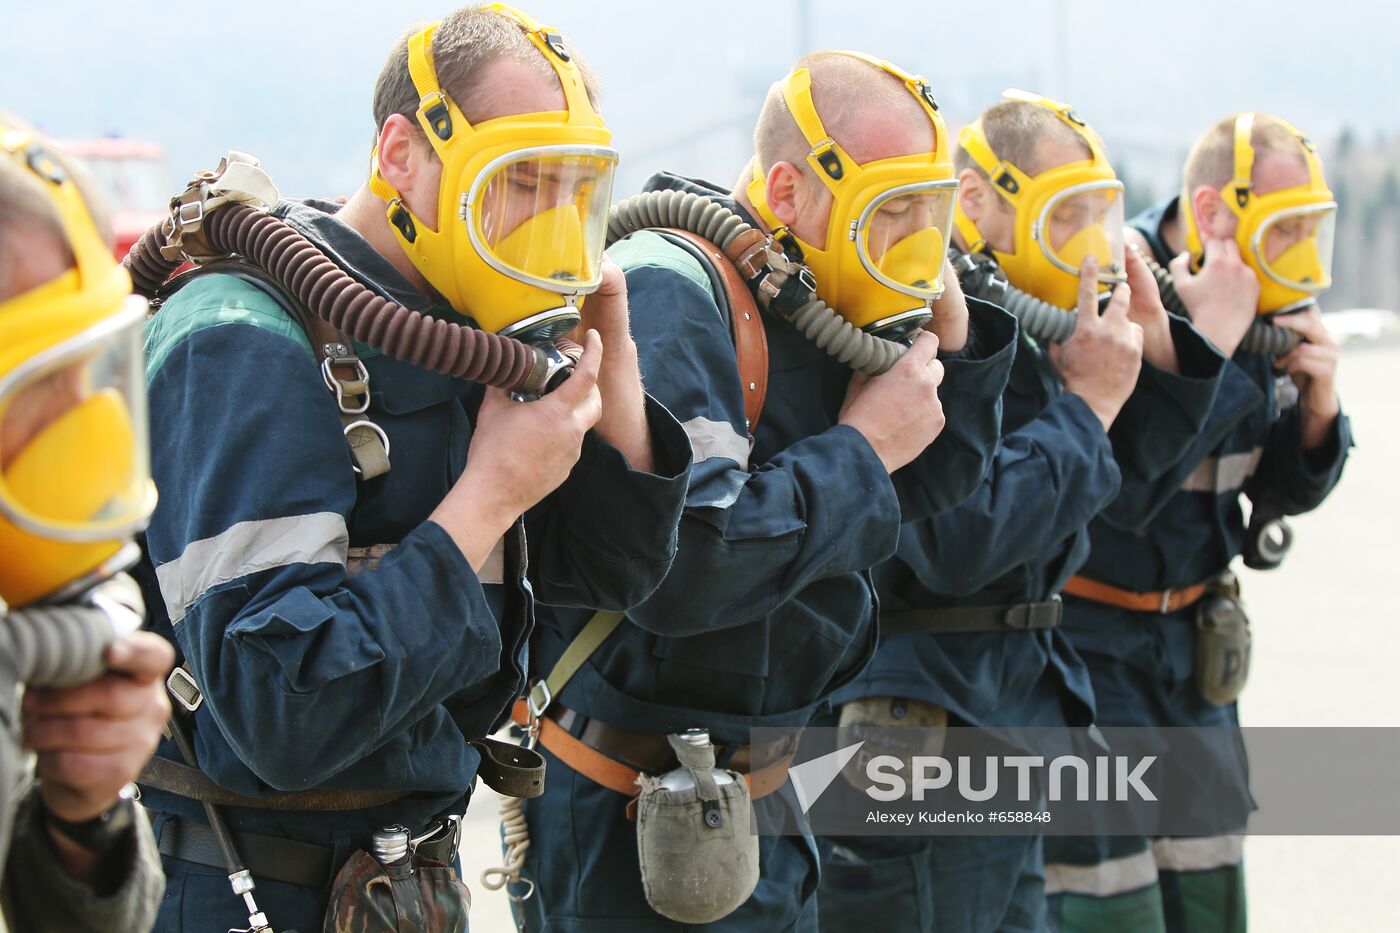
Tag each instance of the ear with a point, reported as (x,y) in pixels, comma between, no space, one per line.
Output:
(1213,219)
(972,194)
(785,192)
(407,163)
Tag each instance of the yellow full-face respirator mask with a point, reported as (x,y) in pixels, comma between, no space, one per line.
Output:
(881,264)
(75,482)
(523,202)
(1063,215)
(1285,236)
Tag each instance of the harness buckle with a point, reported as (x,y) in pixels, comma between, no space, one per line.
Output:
(183,688)
(338,386)
(539,699)
(434,108)
(1165,606)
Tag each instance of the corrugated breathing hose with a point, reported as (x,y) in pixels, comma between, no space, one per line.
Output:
(320,285)
(64,645)
(780,284)
(981,277)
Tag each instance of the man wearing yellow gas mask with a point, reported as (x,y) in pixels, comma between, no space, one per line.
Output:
(768,607)
(350,634)
(1249,240)
(969,605)
(75,852)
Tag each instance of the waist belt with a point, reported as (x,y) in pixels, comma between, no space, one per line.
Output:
(270,857)
(1159,601)
(289,860)
(175,778)
(1019,617)
(615,758)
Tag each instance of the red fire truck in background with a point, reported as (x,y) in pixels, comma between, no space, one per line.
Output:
(133,176)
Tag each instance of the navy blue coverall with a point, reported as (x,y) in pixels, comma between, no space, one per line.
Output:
(769,605)
(315,676)
(1016,540)
(1181,530)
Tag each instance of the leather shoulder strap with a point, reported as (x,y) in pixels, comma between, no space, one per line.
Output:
(745,322)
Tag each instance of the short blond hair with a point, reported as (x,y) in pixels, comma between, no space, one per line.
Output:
(1211,161)
(1015,130)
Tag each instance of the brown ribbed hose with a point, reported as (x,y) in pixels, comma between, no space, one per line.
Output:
(320,285)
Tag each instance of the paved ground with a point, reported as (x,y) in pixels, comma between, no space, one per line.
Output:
(1326,645)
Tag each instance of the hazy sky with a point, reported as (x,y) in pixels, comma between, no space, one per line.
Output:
(291,81)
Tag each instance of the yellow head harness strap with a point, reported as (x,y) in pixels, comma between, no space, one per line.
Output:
(92,256)
(832,163)
(1237,193)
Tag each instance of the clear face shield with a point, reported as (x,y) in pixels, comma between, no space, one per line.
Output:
(1293,247)
(1085,221)
(74,461)
(540,217)
(902,238)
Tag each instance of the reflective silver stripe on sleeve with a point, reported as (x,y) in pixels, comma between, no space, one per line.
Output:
(1198,853)
(1224,474)
(247,548)
(1107,878)
(716,439)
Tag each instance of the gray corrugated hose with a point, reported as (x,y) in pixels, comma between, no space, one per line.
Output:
(866,353)
(63,645)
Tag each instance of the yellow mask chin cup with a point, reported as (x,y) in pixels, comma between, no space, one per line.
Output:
(1304,267)
(915,262)
(548,246)
(496,176)
(79,467)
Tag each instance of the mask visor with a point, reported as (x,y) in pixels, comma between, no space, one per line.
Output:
(902,237)
(1294,246)
(540,216)
(74,456)
(1082,221)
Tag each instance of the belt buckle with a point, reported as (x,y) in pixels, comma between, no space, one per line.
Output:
(1165,606)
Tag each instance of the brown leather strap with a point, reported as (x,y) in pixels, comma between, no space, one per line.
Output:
(745,323)
(1159,601)
(621,778)
(175,778)
(592,764)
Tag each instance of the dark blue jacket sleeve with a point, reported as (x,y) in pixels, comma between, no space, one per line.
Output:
(1140,502)
(1167,411)
(1048,479)
(606,537)
(752,534)
(952,466)
(1291,480)
(304,668)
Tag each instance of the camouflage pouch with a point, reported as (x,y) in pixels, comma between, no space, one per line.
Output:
(367,898)
(1222,642)
(877,722)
